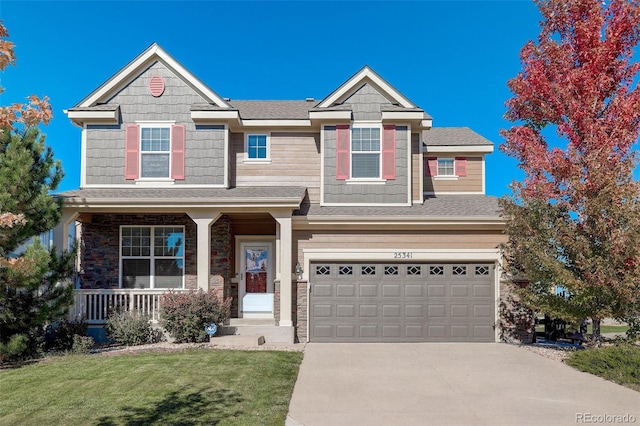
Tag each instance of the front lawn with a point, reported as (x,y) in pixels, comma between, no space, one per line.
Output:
(192,387)
(618,363)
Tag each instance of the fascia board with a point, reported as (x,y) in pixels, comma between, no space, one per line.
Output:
(177,205)
(214,115)
(276,123)
(402,115)
(458,148)
(330,115)
(427,123)
(88,116)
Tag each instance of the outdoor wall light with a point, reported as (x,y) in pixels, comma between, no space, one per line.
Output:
(298,270)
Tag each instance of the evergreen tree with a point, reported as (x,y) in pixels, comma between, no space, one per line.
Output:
(32,285)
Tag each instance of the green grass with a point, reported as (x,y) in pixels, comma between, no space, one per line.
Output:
(194,387)
(603,329)
(618,363)
(609,329)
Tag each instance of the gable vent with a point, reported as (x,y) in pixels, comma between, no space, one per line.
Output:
(156,86)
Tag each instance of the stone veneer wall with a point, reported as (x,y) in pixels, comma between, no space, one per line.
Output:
(100,245)
(300,310)
(276,301)
(219,278)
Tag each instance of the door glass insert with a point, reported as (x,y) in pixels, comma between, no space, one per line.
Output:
(256,270)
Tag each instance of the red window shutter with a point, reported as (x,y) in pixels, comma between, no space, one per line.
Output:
(431,166)
(389,151)
(343,151)
(178,136)
(461,166)
(132,150)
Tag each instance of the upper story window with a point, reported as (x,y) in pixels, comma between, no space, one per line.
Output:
(155,150)
(446,167)
(365,152)
(257,147)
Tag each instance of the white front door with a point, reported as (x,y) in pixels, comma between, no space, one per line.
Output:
(256,278)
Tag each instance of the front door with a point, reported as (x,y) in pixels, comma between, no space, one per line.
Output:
(256,284)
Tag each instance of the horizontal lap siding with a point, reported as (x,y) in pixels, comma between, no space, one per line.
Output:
(295,161)
(406,240)
(470,183)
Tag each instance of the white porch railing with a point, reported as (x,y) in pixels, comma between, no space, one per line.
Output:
(95,305)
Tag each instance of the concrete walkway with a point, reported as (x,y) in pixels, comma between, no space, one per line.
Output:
(449,384)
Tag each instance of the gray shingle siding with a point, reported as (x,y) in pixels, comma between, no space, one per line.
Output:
(392,191)
(367,103)
(204,152)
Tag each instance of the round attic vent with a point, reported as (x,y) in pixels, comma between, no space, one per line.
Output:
(156,86)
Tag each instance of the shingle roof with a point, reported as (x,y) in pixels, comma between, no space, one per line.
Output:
(454,206)
(179,195)
(100,107)
(452,136)
(266,110)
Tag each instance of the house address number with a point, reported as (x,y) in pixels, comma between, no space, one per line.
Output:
(402,255)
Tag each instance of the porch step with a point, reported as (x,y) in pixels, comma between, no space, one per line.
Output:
(270,333)
(237,340)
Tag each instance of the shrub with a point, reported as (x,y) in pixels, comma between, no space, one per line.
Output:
(60,335)
(82,344)
(185,315)
(14,349)
(131,328)
(618,363)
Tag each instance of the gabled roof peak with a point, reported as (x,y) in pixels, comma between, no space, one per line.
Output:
(152,53)
(366,73)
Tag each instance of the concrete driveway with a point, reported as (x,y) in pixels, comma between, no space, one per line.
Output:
(450,384)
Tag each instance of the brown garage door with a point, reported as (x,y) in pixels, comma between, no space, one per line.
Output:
(402,302)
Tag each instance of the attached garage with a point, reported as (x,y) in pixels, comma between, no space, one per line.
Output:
(402,302)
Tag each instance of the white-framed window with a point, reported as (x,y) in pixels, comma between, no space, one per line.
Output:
(152,256)
(365,152)
(446,167)
(155,151)
(257,147)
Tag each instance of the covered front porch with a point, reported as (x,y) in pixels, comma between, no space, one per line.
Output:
(133,250)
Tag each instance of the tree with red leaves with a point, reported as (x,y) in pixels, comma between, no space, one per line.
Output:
(574,221)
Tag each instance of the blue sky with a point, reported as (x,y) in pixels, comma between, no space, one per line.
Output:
(452,58)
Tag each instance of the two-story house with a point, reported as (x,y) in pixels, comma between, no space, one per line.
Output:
(346,219)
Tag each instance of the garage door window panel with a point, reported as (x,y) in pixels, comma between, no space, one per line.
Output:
(414,270)
(391,270)
(345,270)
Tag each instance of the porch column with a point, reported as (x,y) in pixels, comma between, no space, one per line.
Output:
(203,220)
(61,231)
(284,238)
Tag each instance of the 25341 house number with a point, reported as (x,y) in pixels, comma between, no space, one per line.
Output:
(402,255)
